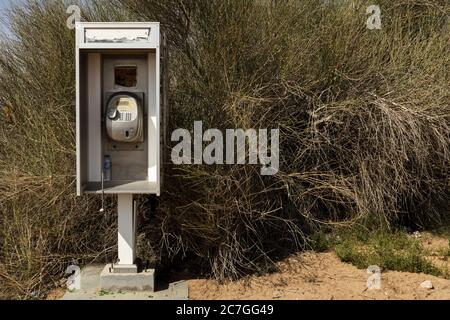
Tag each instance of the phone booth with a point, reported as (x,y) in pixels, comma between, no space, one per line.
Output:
(118,121)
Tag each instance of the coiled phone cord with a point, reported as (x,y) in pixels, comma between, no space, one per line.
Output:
(103,191)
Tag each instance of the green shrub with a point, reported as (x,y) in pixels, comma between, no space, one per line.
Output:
(320,241)
(388,250)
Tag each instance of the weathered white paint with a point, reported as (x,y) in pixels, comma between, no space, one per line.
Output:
(117,35)
(89,102)
(78,120)
(153,111)
(131,30)
(126,233)
(94,89)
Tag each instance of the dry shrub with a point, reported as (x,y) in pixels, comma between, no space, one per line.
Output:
(363,119)
(43,225)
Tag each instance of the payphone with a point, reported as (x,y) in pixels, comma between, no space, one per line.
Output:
(118,120)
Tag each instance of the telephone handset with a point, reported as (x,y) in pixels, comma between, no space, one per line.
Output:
(124,118)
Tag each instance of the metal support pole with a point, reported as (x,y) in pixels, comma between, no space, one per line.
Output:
(127,231)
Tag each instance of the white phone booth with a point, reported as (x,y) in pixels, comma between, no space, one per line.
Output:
(118,119)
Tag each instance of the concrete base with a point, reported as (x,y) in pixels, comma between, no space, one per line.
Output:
(90,289)
(123,268)
(120,281)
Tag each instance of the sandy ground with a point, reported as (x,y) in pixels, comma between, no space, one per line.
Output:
(321,276)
